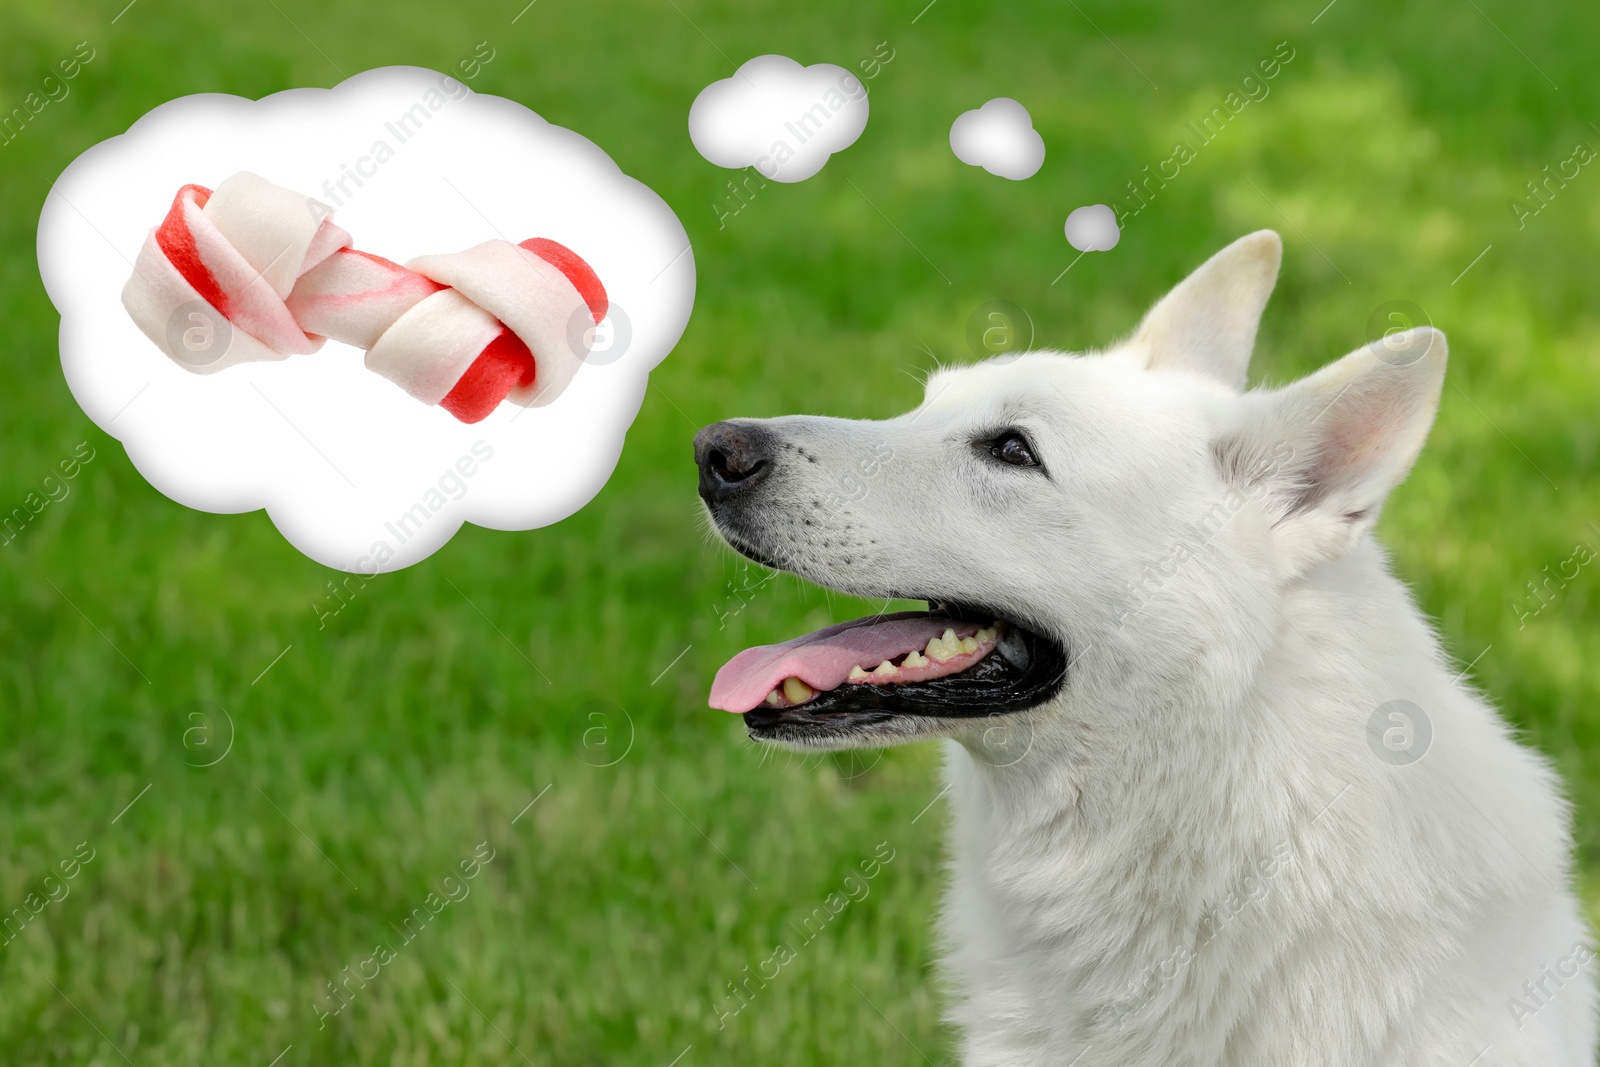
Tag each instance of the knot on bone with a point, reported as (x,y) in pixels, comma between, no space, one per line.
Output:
(465,331)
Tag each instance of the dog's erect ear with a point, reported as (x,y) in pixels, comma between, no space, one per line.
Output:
(1207,325)
(1321,455)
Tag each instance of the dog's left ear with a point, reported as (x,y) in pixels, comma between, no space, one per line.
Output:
(1320,456)
(1207,325)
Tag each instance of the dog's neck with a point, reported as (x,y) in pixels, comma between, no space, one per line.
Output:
(1138,789)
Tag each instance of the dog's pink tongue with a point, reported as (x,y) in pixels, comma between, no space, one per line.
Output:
(823,659)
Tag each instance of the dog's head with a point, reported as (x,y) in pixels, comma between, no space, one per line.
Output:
(1084,528)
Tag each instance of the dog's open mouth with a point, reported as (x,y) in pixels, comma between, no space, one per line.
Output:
(948,662)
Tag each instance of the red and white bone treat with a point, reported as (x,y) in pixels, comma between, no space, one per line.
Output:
(464,331)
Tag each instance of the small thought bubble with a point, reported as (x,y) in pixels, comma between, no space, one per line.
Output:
(783,119)
(1093,228)
(1000,138)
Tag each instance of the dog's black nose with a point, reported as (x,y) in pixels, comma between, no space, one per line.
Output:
(732,457)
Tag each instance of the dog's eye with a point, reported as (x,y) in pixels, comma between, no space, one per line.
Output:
(1011,447)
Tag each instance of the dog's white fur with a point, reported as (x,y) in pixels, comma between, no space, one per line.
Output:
(1195,854)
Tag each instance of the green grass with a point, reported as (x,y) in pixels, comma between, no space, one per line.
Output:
(379,751)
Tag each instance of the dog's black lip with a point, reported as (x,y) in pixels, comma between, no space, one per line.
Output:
(736,543)
(992,686)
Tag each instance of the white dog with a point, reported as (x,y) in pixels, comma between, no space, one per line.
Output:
(1219,796)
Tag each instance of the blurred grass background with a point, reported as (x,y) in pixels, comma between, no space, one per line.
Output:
(666,855)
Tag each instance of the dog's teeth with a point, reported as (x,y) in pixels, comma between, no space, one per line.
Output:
(948,637)
(856,674)
(797,691)
(985,634)
(915,659)
(940,649)
(969,645)
(885,669)
(774,699)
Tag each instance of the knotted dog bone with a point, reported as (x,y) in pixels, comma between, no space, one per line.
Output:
(464,331)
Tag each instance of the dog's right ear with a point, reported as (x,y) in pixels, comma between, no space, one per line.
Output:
(1207,325)
(1320,456)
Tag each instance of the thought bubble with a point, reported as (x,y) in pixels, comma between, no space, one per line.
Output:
(1093,229)
(783,119)
(356,473)
(1000,138)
